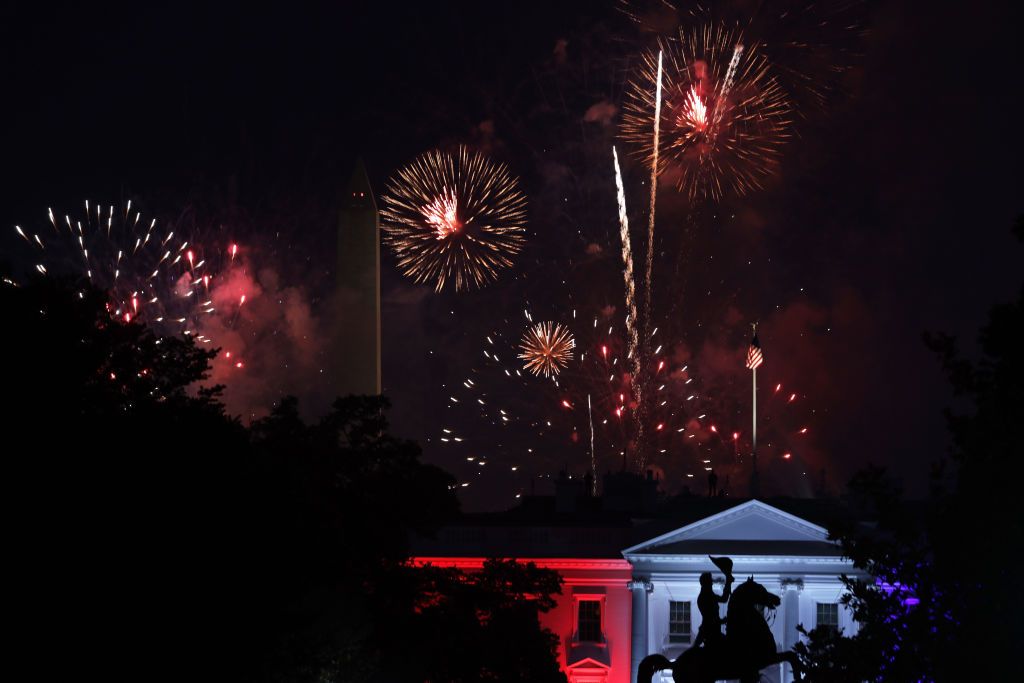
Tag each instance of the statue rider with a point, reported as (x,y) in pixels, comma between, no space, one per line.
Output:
(710,633)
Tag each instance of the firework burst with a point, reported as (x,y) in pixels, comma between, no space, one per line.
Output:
(811,45)
(150,274)
(724,117)
(454,218)
(547,348)
(586,415)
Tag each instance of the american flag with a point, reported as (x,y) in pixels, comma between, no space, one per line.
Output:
(754,355)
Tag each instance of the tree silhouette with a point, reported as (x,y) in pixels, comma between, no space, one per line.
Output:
(483,625)
(944,604)
(348,496)
(117,480)
(156,536)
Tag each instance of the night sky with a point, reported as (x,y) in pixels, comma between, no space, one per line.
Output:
(889,216)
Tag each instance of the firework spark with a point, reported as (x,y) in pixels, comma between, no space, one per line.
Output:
(454,218)
(724,117)
(547,348)
(649,273)
(442,213)
(695,112)
(150,274)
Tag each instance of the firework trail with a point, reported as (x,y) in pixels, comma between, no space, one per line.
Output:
(547,348)
(648,275)
(650,216)
(593,454)
(454,218)
(724,116)
(726,86)
(633,353)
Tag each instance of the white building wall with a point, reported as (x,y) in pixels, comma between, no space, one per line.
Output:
(635,591)
(789,556)
(683,585)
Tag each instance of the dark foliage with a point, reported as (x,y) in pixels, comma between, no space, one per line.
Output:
(156,537)
(123,482)
(945,605)
(483,626)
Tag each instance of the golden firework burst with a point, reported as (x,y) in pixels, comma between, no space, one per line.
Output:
(724,117)
(454,218)
(547,348)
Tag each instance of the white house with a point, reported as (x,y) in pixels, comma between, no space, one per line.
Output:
(787,555)
(620,604)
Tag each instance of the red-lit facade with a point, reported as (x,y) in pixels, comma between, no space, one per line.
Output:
(586,656)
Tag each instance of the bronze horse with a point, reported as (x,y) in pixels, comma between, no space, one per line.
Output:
(747,648)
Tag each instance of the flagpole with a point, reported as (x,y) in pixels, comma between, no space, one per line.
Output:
(753,448)
(754,487)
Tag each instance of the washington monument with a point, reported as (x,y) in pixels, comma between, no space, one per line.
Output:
(358,282)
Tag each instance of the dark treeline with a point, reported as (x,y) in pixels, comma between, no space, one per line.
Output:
(153,536)
(944,603)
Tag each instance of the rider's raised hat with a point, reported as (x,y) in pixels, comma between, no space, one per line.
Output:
(724,564)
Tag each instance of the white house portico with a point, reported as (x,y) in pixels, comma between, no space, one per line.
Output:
(787,555)
(630,591)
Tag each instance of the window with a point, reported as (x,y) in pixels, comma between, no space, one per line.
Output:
(588,624)
(827,616)
(679,626)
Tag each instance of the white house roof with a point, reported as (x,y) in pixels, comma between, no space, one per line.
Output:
(750,528)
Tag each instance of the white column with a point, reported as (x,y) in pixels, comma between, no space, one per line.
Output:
(792,587)
(641,587)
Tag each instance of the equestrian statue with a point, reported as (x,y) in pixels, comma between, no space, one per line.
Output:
(746,647)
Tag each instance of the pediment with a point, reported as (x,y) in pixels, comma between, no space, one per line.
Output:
(588,663)
(752,521)
(588,670)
